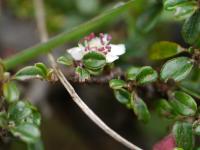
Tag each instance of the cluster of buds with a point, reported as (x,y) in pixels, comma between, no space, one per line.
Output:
(99,44)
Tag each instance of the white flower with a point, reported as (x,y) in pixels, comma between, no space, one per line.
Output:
(115,52)
(95,42)
(77,53)
(98,44)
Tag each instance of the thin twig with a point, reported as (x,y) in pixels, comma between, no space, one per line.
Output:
(101,79)
(39,8)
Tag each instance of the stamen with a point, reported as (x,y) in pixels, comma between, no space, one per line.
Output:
(101,49)
(109,37)
(91,36)
(105,53)
(101,35)
(108,47)
(86,38)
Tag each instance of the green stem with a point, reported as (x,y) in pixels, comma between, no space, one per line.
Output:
(35,51)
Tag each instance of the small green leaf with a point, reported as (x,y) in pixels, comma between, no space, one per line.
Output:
(177,69)
(11,92)
(146,75)
(148,20)
(172,4)
(117,84)
(44,69)
(95,72)
(191,29)
(191,84)
(19,111)
(164,49)
(132,72)
(3,119)
(164,108)
(123,96)
(186,10)
(94,60)
(34,118)
(82,73)
(65,60)
(29,72)
(183,134)
(191,87)
(51,75)
(140,108)
(26,132)
(181,8)
(183,103)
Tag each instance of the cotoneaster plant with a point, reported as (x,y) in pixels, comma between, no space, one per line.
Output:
(174,84)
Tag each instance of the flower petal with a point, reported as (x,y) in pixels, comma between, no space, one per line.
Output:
(95,42)
(77,53)
(106,39)
(110,58)
(117,49)
(81,46)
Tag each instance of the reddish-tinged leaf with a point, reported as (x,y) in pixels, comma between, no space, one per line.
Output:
(167,143)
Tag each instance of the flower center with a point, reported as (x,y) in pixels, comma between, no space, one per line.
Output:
(100,44)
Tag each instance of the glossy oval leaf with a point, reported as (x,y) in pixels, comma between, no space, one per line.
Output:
(182,8)
(44,69)
(65,60)
(185,10)
(146,75)
(164,49)
(172,4)
(132,72)
(123,96)
(117,83)
(183,103)
(176,69)
(28,133)
(94,60)
(30,72)
(140,109)
(183,134)
(11,92)
(19,111)
(191,87)
(164,108)
(191,29)
(34,118)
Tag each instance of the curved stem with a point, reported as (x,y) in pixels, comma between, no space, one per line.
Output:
(88,111)
(75,97)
